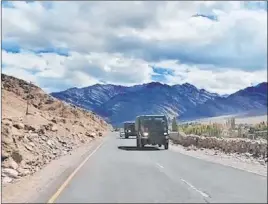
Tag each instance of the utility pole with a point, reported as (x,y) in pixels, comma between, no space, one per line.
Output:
(28,98)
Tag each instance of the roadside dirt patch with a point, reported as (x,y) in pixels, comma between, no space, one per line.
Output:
(240,161)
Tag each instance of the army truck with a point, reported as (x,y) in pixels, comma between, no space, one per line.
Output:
(153,130)
(129,129)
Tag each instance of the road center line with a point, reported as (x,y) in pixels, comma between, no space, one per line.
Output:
(159,165)
(194,188)
(68,180)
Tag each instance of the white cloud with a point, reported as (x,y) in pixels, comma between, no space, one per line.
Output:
(222,81)
(87,26)
(115,42)
(83,70)
(20,73)
(77,69)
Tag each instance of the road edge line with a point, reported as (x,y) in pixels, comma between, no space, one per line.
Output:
(69,179)
(194,188)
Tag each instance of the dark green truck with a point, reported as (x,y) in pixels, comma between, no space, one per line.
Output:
(153,130)
(129,129)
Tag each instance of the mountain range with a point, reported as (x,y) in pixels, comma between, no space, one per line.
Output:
(121,103)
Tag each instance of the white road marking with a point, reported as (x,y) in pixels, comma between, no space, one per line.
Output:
(159,165)
(194,188)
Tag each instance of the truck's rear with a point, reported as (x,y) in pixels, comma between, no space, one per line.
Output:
(129,129)
(152,130)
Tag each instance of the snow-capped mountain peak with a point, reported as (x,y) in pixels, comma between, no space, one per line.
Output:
(120,103)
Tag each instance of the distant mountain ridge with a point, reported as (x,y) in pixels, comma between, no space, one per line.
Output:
(121,103)
(249,100)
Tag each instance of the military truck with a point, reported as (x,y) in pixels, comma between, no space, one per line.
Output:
(153,130)
(129,129)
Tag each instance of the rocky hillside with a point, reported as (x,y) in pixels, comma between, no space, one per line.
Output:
(254,148)
(119,103)
(50,129)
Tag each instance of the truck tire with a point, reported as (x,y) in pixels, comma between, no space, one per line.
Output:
(166,145)
(138,143)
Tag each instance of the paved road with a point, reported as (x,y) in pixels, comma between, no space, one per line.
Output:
(119,173)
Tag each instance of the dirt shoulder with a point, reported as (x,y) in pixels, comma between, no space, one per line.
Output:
(40,186)
(240,161)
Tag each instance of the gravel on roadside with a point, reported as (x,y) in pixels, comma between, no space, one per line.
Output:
(240,161)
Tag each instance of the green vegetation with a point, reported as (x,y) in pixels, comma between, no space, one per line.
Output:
(229,129)
(261,126)
(201,129)
(174,124)
(259,130)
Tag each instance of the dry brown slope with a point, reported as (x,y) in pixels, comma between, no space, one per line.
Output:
(51,129)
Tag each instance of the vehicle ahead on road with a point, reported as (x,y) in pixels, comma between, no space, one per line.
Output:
(153,130)
(129,129)
(116,129)
(122,133)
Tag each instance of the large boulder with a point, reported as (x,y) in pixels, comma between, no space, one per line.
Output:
(12,173)
(19,125)
(91,134)
(10,163)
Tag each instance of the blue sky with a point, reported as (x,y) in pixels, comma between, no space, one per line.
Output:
(218,46)
(256,5)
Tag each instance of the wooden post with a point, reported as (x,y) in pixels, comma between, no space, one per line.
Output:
(28,98)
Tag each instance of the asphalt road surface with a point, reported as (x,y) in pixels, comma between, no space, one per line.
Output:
(118,173)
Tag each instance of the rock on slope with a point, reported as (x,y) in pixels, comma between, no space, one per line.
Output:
(51,129)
